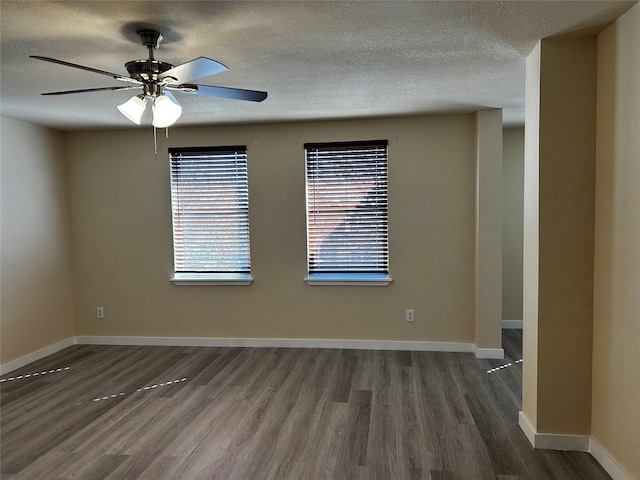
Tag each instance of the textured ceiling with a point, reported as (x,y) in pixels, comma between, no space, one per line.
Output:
(317,60)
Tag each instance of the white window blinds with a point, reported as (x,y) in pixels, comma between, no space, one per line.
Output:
(210,205)
(347,231)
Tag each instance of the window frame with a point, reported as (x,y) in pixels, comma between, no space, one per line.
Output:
(185,277)
(354,277)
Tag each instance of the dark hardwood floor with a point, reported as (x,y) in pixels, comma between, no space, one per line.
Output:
(124,413)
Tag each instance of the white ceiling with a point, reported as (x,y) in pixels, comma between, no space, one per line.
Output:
(317,60)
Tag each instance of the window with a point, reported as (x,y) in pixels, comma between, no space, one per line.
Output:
(347,231)
(210,208)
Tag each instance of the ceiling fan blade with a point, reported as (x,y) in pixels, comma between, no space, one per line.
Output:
(196,68)
(223,92)
(89,69)
(85,90)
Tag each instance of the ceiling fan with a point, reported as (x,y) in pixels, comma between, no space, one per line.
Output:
(157,79)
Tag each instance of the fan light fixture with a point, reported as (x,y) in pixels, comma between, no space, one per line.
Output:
(166,109)
(134,108)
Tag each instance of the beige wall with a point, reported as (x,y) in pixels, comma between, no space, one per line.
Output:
(37,307)
(616,330)
(121,224)
(565,215)
(512,215)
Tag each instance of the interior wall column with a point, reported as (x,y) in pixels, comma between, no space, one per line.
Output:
(559,176)
(488,241)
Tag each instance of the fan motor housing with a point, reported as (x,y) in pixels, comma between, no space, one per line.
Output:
(146,70)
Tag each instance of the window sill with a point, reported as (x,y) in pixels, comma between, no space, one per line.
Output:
(211,279)
(354,280)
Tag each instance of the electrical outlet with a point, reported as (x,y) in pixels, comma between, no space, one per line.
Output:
(409,315)
(100,312)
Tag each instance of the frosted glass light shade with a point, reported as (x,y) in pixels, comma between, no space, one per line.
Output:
(133,108)
(166,110)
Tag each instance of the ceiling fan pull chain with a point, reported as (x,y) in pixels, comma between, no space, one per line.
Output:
(155,142)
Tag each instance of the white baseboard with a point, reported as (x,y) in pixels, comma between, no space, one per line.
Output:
(580,443)
(512,324)
(243,342)
(606,461)
(487,353)
(552,441)
(495,353)
(527,428)
(279,343)
(37,355)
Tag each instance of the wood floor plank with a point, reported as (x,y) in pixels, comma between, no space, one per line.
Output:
(382,449)
(470,455)
(343,379)
(286,470)
(493,433)
(235,430)
(357,428)
(263,448)
(144,450)
(100,434)
(382,388)
(412,451)
(50,465)
(173,417)
(365,370)
(100,468)
(51,433)
(445,475)
(328,440)
(163,468)
(211,419)
(294,442)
